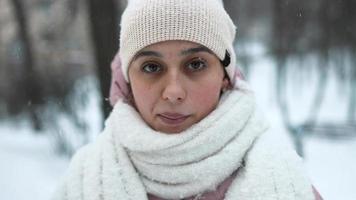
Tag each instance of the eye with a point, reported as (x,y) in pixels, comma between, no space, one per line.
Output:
(151,68)
(197,64)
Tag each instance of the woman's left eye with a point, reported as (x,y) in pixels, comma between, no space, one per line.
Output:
(196,65)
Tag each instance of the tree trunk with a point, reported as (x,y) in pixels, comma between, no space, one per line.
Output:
(104,20)
(352,102)
(320,91)
(31,82)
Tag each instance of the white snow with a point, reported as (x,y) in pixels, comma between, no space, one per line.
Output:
(29,169)
(332,167)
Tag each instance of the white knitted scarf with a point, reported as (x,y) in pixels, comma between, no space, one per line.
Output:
(130,159)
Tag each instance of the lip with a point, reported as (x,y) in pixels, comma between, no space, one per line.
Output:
(173,118)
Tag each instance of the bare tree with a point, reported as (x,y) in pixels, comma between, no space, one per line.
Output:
(319,27)
(104,21)
(33,92)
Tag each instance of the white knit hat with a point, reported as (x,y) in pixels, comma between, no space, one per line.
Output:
(145,22)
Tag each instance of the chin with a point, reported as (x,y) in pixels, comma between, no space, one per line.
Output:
(171,130)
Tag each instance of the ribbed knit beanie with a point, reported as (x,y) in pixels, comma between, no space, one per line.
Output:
(146,22)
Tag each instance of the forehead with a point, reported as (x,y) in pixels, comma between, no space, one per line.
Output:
(172,48)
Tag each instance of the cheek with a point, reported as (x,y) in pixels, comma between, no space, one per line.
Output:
(144,98)
(206,97)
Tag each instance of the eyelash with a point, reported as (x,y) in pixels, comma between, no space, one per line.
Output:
(197,60)
(192,61)
(143,68)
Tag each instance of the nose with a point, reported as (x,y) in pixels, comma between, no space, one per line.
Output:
(174,91)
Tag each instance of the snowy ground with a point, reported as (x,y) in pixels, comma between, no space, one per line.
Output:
(332,167)
(29,169)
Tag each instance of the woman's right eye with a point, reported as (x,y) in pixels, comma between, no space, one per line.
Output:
(151,68)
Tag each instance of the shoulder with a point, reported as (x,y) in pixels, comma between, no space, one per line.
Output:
(272,171)
(85,160)
(88,155)
(71,180)
(267,151)
(278,161)
(279,157)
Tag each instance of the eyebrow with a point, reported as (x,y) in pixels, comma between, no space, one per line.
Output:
(183,53)
(196,50)
(147,53)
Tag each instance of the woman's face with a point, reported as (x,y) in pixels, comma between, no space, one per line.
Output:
(175,84)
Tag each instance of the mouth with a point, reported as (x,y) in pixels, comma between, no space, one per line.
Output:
(172,118)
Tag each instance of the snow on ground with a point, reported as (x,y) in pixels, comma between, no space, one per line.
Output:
(29,169)
(332,167)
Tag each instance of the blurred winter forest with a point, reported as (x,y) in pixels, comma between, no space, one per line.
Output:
(53,52)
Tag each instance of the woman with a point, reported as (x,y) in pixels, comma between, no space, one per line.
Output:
(184,124)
